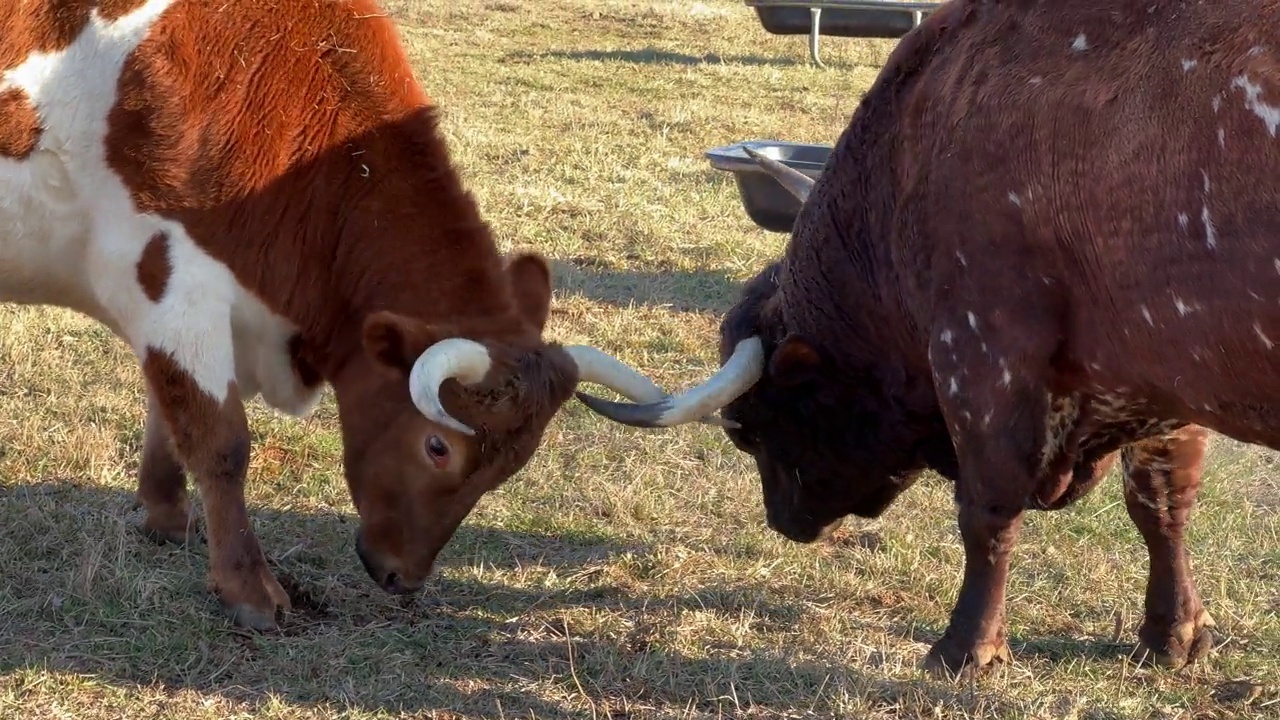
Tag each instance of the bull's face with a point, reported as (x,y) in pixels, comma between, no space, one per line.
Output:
(433,419)
(414,479)
(828,441)
(816,444)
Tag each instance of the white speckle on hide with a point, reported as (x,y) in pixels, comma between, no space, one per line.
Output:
(1183,220)
(946,335)
(985,350)
(1222,138)
(1183,308)
(973,321)
(1276,263)
(1255,295)
(1187,64)
(1013,198)
(1080,43)
(1147,314)
(960,257)
(1205,174)
(1210,234)
(1036,80)
(1006,377)
(1255,50)
(1270,114)
(954,387)
(1216,102)
(986,419)
(1261,335)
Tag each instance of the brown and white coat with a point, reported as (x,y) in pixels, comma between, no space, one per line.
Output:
(254,195)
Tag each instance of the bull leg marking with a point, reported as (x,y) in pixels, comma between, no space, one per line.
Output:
(162,484)
(212,439)
(1162,478)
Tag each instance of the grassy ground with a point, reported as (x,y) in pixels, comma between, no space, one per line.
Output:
(626,573)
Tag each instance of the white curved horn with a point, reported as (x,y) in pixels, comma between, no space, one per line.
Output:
(739,373)
(466,360)
(596,366)
(796,182)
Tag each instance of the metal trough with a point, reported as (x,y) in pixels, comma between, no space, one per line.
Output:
(767,203)
(841,18)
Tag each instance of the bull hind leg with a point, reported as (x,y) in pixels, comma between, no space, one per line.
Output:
(1161,478)
(162,484)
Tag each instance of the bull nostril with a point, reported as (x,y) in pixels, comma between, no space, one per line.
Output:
(392,584)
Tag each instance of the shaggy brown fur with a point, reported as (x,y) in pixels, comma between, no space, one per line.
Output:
(1049,233)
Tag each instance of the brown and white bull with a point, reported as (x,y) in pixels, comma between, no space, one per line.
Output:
(1050,234)
(255,196)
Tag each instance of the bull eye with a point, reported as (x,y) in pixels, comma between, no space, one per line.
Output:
(438,450)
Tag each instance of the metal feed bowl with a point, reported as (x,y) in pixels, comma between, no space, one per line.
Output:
(767,203)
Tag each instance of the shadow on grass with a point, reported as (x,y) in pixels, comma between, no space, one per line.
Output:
(653,56)
(85,594)
(680,290)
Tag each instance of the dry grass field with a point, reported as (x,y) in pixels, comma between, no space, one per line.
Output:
(623,573)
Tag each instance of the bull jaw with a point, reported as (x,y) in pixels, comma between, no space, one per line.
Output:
(806,536)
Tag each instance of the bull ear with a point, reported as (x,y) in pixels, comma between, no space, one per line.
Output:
(394,341)
(794,361)
(531,282)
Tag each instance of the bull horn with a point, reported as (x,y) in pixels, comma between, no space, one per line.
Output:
(739,373)
(598,367)
(796,182)
(465,360)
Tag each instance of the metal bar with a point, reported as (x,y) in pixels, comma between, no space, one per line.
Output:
(909,5)
(815,19)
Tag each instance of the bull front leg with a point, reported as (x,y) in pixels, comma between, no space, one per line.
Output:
(975,642)
(211,437)
(1161,479)
(162,484)
(990,372)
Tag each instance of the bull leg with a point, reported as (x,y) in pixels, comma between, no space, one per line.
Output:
(991,493)
(991,369)
(211,437)
(1162,477)
(975,641)
(162,484)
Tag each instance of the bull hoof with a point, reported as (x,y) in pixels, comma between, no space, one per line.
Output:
(251,618)
(161,529)
(955,660)
(1175,648)
(257,605)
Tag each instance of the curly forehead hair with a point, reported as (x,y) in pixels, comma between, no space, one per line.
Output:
(745,318)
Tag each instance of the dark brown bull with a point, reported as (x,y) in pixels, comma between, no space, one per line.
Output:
(1050,232)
